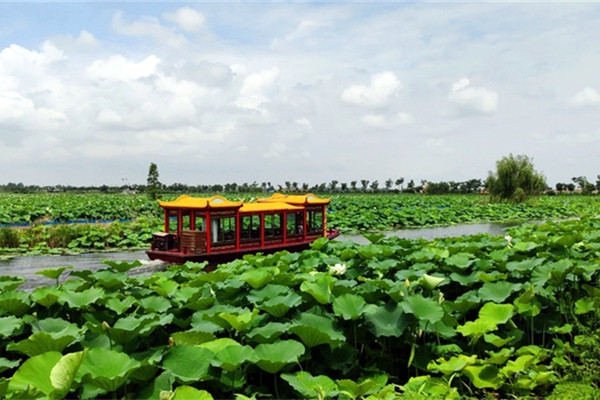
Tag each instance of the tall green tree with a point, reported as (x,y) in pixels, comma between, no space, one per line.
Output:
(515,179)
(153,185)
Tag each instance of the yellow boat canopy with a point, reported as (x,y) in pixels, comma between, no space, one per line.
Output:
(266,207)
(297,199)
(186,201)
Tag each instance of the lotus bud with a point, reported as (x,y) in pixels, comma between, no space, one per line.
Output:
(171,342)
(338,269)
(441,298)
(407,283)
(105,325)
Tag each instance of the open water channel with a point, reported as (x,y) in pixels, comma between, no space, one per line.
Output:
(26,266)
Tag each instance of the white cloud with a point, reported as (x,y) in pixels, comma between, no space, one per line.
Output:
(147,27)
(257,89)
(304,122)
(118,68)
(275,150)
(587,97)
(187,19)
(468,100)
(387,122)
(87,39)
(382,88)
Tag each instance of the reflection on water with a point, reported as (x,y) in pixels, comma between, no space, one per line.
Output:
(27,266)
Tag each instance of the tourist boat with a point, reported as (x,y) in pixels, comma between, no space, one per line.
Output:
(215,229)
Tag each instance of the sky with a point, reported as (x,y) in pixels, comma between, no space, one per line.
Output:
(217,92)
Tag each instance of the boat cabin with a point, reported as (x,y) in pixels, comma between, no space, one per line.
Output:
(197,229)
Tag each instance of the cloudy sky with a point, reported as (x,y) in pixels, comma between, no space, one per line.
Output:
(216,92)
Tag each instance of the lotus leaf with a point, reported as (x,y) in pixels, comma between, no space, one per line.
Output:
(10,326)
(273,357)
(50,374)
(349,306)
(153,389)
(279,306)
(527,303)
(497,291)
(188,364)
(430,282)
(269,291)
(422,308)
(364,387)
(45,295)
(387,321)
(192,337)
(584,306)
(10,283)
(461,261)
(42,341)
(240,322)
(484,376)
(82,299)
(120,305)
(231,357)
(320,288)
(187,393)
(109,279)
(106,369)
(312,387)
(314,330)
(155,304)
(16,302)
(268,333)
(122,266)
(257,278)
(7,364)
(53,273)
(454,364)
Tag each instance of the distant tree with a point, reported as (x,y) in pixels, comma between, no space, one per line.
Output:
(410,187)
(333,185)
(153,185)
(365,184)
(344,186)
(598,182)
(399,183)
(295,186)
(560,187)
(570,187)
(515,179)
(353,185)
(374,185)
(305,187)
(388,184)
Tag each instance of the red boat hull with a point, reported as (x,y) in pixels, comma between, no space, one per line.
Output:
(178,257)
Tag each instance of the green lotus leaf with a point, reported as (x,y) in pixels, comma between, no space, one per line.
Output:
(278,306)
(219,344)
(522,363)
(349,306)
(162,383)
(155,304)
(460,260)
(312,387)
(496,313)
(240,322)
(269,291)
(430,282)
(364,387)
(50,375)
(563,330)
(42,342)
(584,306)
(10,326)
(106,369)
(15,302)
(524,266)
(452,365)
(499,357)
(497,291)
(257,278)
(272,357)
(231,357)
(188,392)
(192,337)
(10,283)
(422,308)
(165,287)
(484,376)
(128,329)
(374,238)
(427,387)
(464,280)
(202,321)
(81,299)
(314,330)
(525,247)
(8,364)
(53,273)
(45,296)
(188,364)
(109,279)
(120,305)
(387,321)
(122,266)
(476,328)
(320,288)
(268,333)
(527,303)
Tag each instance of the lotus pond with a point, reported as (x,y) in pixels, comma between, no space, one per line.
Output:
(470,317)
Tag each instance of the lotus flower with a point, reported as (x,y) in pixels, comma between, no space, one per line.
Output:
(338,269)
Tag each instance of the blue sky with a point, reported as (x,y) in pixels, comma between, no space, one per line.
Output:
(216,92)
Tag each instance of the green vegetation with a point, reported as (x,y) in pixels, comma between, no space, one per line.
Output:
(153,185)
(469,317)
(515,179)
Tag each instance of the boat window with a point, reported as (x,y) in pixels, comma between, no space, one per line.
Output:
(223,230)
(315,222)
(273,226)
(199,223)
(250,227)
(295,223)
(186,220)
(173,222)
